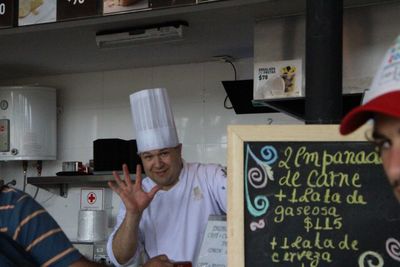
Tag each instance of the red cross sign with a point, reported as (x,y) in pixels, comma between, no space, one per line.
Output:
(91,198)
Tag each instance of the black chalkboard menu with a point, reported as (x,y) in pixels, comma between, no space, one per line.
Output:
(310,203)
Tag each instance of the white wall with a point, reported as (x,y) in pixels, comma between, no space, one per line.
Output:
(96,105)
(367,34)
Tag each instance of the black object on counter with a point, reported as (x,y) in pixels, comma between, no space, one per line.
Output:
(109,155)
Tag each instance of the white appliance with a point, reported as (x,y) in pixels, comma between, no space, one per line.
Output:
(28,123)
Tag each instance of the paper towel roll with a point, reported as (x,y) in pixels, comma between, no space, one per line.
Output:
(92,225)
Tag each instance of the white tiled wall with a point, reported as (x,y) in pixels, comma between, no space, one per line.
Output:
(96,105)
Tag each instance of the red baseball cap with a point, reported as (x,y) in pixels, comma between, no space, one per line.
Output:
(386,104)
(384,95)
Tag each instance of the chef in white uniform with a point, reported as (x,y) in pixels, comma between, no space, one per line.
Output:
(165,213)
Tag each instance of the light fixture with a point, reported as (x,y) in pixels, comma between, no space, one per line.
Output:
(156,33)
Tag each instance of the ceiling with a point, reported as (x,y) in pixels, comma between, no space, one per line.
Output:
(215,28)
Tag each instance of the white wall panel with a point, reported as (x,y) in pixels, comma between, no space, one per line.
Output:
(117,85)
(96,105)
(183,82)
(116,123)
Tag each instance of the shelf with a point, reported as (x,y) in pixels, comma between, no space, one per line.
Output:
(241,93)
(92,180)
(295,106)
(145,15)
(215,28)
(64,182)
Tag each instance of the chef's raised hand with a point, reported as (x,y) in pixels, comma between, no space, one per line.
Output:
(132,194)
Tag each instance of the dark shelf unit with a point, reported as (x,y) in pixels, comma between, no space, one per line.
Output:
(240,93)
(64,182)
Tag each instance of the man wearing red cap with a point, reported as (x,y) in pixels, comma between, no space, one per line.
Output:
(382,105)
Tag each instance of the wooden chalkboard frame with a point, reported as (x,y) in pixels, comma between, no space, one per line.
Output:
(237,135)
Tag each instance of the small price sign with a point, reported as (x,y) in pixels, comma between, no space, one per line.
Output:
(71,9)
(7,14)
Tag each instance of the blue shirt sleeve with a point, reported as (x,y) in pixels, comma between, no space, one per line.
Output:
(30,225)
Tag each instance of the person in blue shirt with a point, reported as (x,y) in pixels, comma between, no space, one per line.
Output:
(29,236)
(36,236)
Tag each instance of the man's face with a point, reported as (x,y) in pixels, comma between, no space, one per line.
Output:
(163,166)
(387,136)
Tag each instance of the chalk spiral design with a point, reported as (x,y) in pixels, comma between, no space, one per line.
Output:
(258,178)
(393,248)
(364,262)
(257,225)
(269,154)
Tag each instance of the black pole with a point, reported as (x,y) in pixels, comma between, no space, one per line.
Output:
(324,27)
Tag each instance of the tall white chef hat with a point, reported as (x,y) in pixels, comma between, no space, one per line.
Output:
(153,120)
